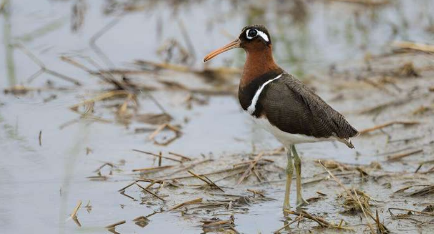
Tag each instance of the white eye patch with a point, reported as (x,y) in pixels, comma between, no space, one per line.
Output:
(256,32)
(263,35)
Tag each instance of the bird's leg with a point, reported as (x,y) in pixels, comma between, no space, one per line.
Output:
(297,162)
(289,172)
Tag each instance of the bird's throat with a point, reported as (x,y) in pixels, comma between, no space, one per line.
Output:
(258,62)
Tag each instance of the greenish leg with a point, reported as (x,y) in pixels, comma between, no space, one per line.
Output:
(297,161)
(289,172)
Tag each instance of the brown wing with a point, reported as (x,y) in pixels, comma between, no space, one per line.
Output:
(294,108)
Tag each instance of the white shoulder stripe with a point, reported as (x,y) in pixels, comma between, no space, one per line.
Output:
(251,109)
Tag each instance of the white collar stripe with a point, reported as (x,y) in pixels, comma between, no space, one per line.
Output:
(251,109)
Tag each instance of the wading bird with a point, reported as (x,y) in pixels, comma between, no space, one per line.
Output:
(280,103)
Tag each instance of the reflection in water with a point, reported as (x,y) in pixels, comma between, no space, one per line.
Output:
(73,154)
(304,35)
(5,176)
(9,49)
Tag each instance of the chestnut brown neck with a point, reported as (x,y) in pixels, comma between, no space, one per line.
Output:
(258,62)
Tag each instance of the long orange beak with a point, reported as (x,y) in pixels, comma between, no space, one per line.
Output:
(230,46)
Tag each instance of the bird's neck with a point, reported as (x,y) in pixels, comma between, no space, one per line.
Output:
(258,62)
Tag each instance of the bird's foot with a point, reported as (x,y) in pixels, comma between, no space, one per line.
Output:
(286,207)
(301,202)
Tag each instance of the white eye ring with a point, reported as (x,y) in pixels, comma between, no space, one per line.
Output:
(247,33)
(258,32)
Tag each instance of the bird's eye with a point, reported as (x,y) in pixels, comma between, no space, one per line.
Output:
(251,33)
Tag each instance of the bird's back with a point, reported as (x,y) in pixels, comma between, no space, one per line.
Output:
(294,108)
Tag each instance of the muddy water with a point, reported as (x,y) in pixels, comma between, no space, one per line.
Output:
(41,184)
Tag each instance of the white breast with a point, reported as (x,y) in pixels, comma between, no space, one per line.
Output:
(285,138)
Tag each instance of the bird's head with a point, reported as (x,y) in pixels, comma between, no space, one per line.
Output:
(252,38)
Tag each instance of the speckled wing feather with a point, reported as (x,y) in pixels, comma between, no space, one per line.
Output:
(294,108)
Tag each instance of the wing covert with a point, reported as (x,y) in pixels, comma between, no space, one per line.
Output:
(294,108)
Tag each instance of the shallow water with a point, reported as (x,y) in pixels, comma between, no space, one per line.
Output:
(41,184)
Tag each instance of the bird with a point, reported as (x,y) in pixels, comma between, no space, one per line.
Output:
(281,104)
